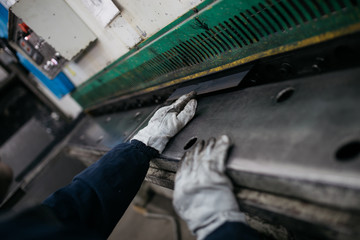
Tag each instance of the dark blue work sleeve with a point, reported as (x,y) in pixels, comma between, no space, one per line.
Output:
(233,230)
(40,223)
(99,196)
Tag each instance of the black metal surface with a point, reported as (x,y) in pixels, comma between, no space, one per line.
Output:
(25,145)
(17,106)
(30,126)
(56,174)
(210,86)
(295,159)
(104,132)
(296,138)
(288,147)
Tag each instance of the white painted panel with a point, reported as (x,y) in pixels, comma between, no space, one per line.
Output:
(126,33)
(104,10)
(57,24)
(139,20)
(113,42)
(74,72)
(7,3)
(150,16)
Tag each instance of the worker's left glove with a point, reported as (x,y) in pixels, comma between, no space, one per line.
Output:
(167,122)
(203,194)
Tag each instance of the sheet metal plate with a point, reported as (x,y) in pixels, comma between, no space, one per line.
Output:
(58,173)
(105,132)
(25,146)
(288,147)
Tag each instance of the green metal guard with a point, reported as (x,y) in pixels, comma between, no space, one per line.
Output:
(219,35)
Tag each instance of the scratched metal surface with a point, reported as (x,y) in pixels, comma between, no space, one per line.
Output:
(297,138)
(305,146)
(105,132)
(292,141)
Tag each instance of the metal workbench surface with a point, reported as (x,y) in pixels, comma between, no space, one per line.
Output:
(295,155)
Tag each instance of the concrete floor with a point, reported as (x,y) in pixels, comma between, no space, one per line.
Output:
(151,225)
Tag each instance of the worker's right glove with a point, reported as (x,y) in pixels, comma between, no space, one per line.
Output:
(203,194)
(167,122)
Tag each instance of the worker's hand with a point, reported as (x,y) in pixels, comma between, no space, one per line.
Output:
(203,194)
(167,122)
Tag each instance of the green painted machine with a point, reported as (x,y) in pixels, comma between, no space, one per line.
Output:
(280,77)
(219,35)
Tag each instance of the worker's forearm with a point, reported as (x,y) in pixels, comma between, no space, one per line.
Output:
(233,230)
(99,195)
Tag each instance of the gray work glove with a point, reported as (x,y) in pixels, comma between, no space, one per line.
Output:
(167,122)
(203,194)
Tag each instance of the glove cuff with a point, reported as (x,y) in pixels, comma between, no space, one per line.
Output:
(152,152)
(218,220)
(155,142)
